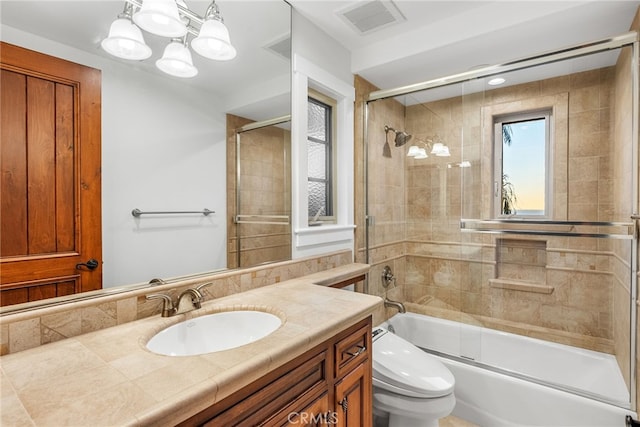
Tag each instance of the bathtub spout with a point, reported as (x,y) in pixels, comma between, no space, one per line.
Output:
(391,303)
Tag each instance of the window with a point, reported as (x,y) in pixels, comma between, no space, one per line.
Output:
(320,113)
(522,175)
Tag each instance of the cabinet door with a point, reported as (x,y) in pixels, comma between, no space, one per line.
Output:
(353,397)
(315,414)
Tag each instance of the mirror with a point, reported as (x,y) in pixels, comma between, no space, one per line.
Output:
(164,138)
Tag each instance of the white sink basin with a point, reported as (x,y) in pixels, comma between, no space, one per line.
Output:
(213,332)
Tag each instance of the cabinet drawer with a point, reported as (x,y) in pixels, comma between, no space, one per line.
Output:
(352,350)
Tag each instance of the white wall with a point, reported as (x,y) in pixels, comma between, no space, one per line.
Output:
(163,148)
(321,62)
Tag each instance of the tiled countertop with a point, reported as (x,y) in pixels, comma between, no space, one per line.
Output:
(109,378)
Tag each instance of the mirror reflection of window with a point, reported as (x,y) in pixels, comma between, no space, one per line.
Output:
(320,140)
(522,173)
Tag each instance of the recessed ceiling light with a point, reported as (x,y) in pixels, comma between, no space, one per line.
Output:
(496,81)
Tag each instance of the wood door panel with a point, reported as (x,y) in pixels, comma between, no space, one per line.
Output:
(41,176)
(27,292)
(13,185)
(65,185)
(51,197)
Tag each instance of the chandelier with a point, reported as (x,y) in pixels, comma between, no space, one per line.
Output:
(172,19)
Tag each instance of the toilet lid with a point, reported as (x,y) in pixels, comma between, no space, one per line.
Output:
(403,365)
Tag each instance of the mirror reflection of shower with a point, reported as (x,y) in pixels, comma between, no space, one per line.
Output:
(401,138)
(433,145)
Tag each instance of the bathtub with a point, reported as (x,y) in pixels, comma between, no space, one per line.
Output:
(506,380)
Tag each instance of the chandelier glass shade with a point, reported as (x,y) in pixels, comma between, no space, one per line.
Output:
(176,60)
(160,17)
(169,18)
(213,41)
(125,41)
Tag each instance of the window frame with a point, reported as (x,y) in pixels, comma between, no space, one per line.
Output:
(330,105)
(521,116)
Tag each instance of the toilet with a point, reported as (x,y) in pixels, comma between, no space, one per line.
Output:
(410,387)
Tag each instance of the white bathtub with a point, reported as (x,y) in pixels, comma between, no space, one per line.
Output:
(506,396)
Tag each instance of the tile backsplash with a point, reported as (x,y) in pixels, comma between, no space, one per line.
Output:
(23,330)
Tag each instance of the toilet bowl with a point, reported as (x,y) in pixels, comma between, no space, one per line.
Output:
(410,387)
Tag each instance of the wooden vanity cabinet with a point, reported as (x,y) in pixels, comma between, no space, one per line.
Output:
(329,385)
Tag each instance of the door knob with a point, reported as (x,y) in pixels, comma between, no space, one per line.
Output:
(92,264)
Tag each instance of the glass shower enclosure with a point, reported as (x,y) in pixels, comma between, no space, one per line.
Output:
(514,206)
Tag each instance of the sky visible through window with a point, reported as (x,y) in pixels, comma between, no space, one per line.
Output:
(523,161)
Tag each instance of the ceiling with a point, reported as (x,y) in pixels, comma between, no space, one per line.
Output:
(432,38)
(440,38)
(83,24)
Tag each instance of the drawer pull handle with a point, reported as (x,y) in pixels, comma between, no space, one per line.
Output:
(361,349)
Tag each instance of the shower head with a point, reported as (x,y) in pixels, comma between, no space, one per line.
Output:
(401,136)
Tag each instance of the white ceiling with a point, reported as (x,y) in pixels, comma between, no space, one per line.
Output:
(83,24)
(439,38)
(436,39)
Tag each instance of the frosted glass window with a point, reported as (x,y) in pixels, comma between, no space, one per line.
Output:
(317,160)
(317,116)
(319,149)
(522,182)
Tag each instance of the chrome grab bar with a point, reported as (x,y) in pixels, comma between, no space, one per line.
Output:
(137,212)
(262,219)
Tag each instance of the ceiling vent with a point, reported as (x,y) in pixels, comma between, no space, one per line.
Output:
(369,16)
(281,47)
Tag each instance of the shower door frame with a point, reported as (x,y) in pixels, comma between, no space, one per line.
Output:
(260,219)
(629,39)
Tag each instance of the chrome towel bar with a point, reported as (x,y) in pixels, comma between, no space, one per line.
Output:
(597,229)
(137,212)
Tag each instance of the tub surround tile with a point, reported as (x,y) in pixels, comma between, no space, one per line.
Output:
(108,377)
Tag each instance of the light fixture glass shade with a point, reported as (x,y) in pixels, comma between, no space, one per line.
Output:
(125,41)
(160,17)
(439,149)
(176,61)
(414,150)
(213,41)
(444,152)
(422,154)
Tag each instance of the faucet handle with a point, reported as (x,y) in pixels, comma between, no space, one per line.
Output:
(167,304)
(199,288)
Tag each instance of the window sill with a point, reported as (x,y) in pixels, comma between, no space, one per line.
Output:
(323,234)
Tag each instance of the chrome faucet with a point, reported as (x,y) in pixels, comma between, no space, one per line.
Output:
(396,304)
(188,300)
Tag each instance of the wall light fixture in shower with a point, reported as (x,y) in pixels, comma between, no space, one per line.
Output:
(436,148)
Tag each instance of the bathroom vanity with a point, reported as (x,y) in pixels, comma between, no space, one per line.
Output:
(329,384)
(316,366)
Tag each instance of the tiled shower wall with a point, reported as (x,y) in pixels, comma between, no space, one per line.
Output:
(579,293)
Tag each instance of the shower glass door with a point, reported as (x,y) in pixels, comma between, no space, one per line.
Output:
(261,223)
(548,267)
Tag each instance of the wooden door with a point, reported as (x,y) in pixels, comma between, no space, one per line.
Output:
(50,187)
